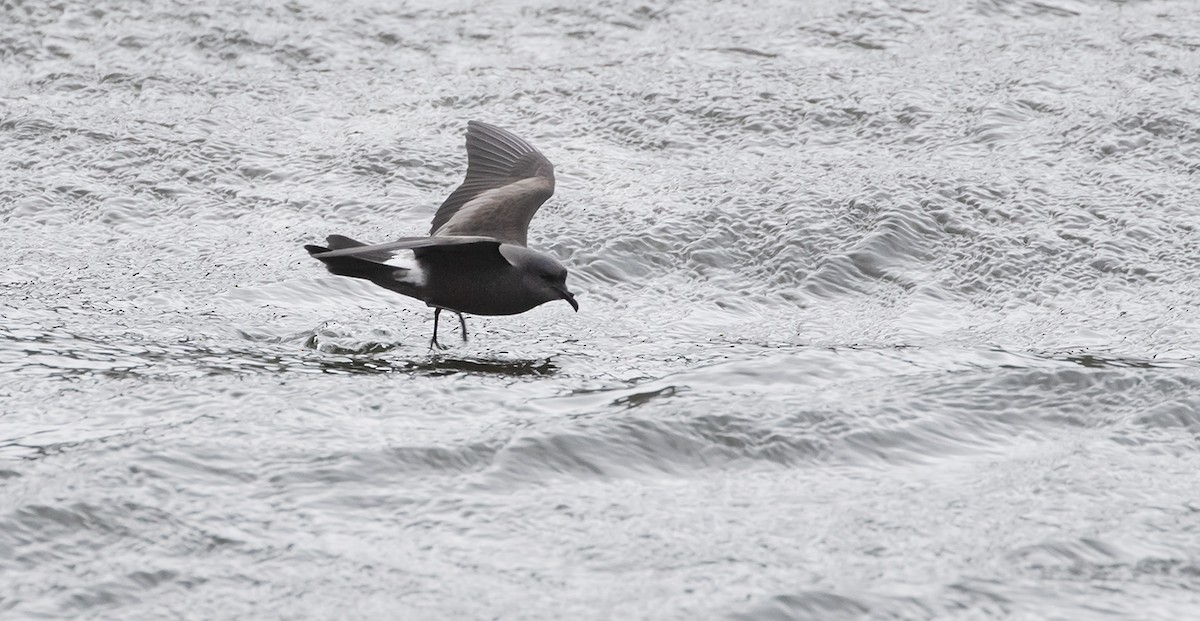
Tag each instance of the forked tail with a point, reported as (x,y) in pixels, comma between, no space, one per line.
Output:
(367,266)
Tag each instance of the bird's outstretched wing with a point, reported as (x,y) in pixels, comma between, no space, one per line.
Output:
(341,246)
(507,181)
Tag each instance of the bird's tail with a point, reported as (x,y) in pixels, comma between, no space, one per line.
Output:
(353,267)
(366,266)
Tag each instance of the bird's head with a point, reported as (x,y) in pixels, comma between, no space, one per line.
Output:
(541,273)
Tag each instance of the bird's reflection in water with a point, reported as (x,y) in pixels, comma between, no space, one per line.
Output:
(438,365)
(363,358)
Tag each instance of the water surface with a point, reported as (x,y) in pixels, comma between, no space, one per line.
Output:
(888,312)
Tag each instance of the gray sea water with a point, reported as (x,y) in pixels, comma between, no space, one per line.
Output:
(888,312)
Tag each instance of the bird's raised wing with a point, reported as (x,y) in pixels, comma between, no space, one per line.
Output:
(507,181)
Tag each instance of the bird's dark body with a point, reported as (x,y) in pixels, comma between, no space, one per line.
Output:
(473,280)
(476,282)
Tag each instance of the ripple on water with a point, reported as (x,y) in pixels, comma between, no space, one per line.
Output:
(60,354)
(104,538)
(840,407)
(887,311)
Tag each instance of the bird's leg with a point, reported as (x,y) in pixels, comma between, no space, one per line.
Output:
(433,342)
(462,322)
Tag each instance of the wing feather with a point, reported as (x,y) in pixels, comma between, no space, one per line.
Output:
(382,252)
(507,181)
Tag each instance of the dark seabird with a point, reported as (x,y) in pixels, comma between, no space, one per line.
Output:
(474,260)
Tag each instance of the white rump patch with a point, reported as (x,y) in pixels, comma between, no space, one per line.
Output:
(414,275)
